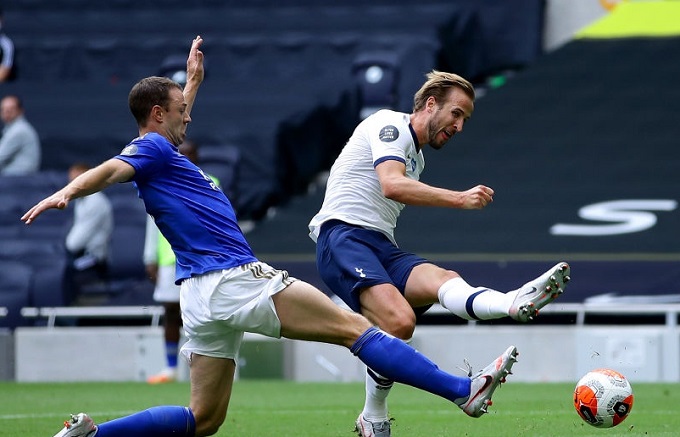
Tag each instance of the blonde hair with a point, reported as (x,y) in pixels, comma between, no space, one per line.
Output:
(438,85)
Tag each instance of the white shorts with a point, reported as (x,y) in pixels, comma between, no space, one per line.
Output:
(166,290)
(218,307)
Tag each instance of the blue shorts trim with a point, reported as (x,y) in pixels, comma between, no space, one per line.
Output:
(350,258)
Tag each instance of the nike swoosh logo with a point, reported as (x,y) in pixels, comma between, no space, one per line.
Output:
(533,290)
(487,383)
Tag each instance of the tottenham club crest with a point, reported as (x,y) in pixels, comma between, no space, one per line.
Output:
(388,134)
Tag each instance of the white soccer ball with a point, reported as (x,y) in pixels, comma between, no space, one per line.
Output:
(603,398)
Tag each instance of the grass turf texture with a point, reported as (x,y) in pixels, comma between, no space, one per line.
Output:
(288,409)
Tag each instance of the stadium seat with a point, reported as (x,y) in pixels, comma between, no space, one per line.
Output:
(222,162)
(47,261)
(19,193)
(27,251)
(174,67)
(15,284)
(376,74)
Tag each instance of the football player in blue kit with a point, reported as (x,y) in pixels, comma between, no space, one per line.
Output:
(225,289)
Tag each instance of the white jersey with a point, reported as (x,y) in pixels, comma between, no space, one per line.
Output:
(353,192)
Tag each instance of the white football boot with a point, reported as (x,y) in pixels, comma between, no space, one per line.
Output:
(485,382)
(80,425)
(365,428)
(538,293)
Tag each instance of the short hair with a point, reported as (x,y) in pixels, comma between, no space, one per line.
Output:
(147,93)
(438,85)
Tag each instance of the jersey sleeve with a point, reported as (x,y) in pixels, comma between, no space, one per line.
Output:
(389,139)
(146,155)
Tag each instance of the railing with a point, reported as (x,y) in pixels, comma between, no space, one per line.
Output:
(581,310)
(670,311)
(51,313)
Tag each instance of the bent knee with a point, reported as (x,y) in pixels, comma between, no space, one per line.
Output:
(209,423)
(400,325)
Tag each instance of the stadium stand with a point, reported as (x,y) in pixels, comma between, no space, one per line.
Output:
(281,96)
(222,162)
(14,292)
(268,63)
(128,282)
(40,246)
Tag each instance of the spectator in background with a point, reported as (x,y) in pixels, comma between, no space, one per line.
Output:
(160,261)
(7,68)
(19,145)
(88,240)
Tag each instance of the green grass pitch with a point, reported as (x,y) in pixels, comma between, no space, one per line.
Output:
(288,409)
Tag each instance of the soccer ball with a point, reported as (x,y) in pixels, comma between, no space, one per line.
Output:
(603,398)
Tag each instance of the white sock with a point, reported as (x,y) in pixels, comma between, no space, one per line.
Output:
(377,390)
(474,303)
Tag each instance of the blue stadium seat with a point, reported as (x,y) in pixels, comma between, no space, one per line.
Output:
(376,74)
(47,262)
(222,162)
(15,285)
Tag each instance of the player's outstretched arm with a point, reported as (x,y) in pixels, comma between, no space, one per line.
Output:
(397,186)
(195,72)
(96,179)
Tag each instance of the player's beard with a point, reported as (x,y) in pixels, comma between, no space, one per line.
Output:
(434,133)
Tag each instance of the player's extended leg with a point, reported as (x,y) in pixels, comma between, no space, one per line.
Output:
(482,303)
(385,307)
(172,324)
(211,385)
(164,421)
(307,314)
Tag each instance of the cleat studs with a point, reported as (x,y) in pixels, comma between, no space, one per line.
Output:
(567,279)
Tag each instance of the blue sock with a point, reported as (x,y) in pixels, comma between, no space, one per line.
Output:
(394,359)
(171,349)
(164,421)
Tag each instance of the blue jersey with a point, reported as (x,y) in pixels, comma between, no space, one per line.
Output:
(191,212)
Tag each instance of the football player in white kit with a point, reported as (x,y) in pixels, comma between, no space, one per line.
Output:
(374,177)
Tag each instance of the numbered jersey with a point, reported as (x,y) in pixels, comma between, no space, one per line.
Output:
(353,192)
